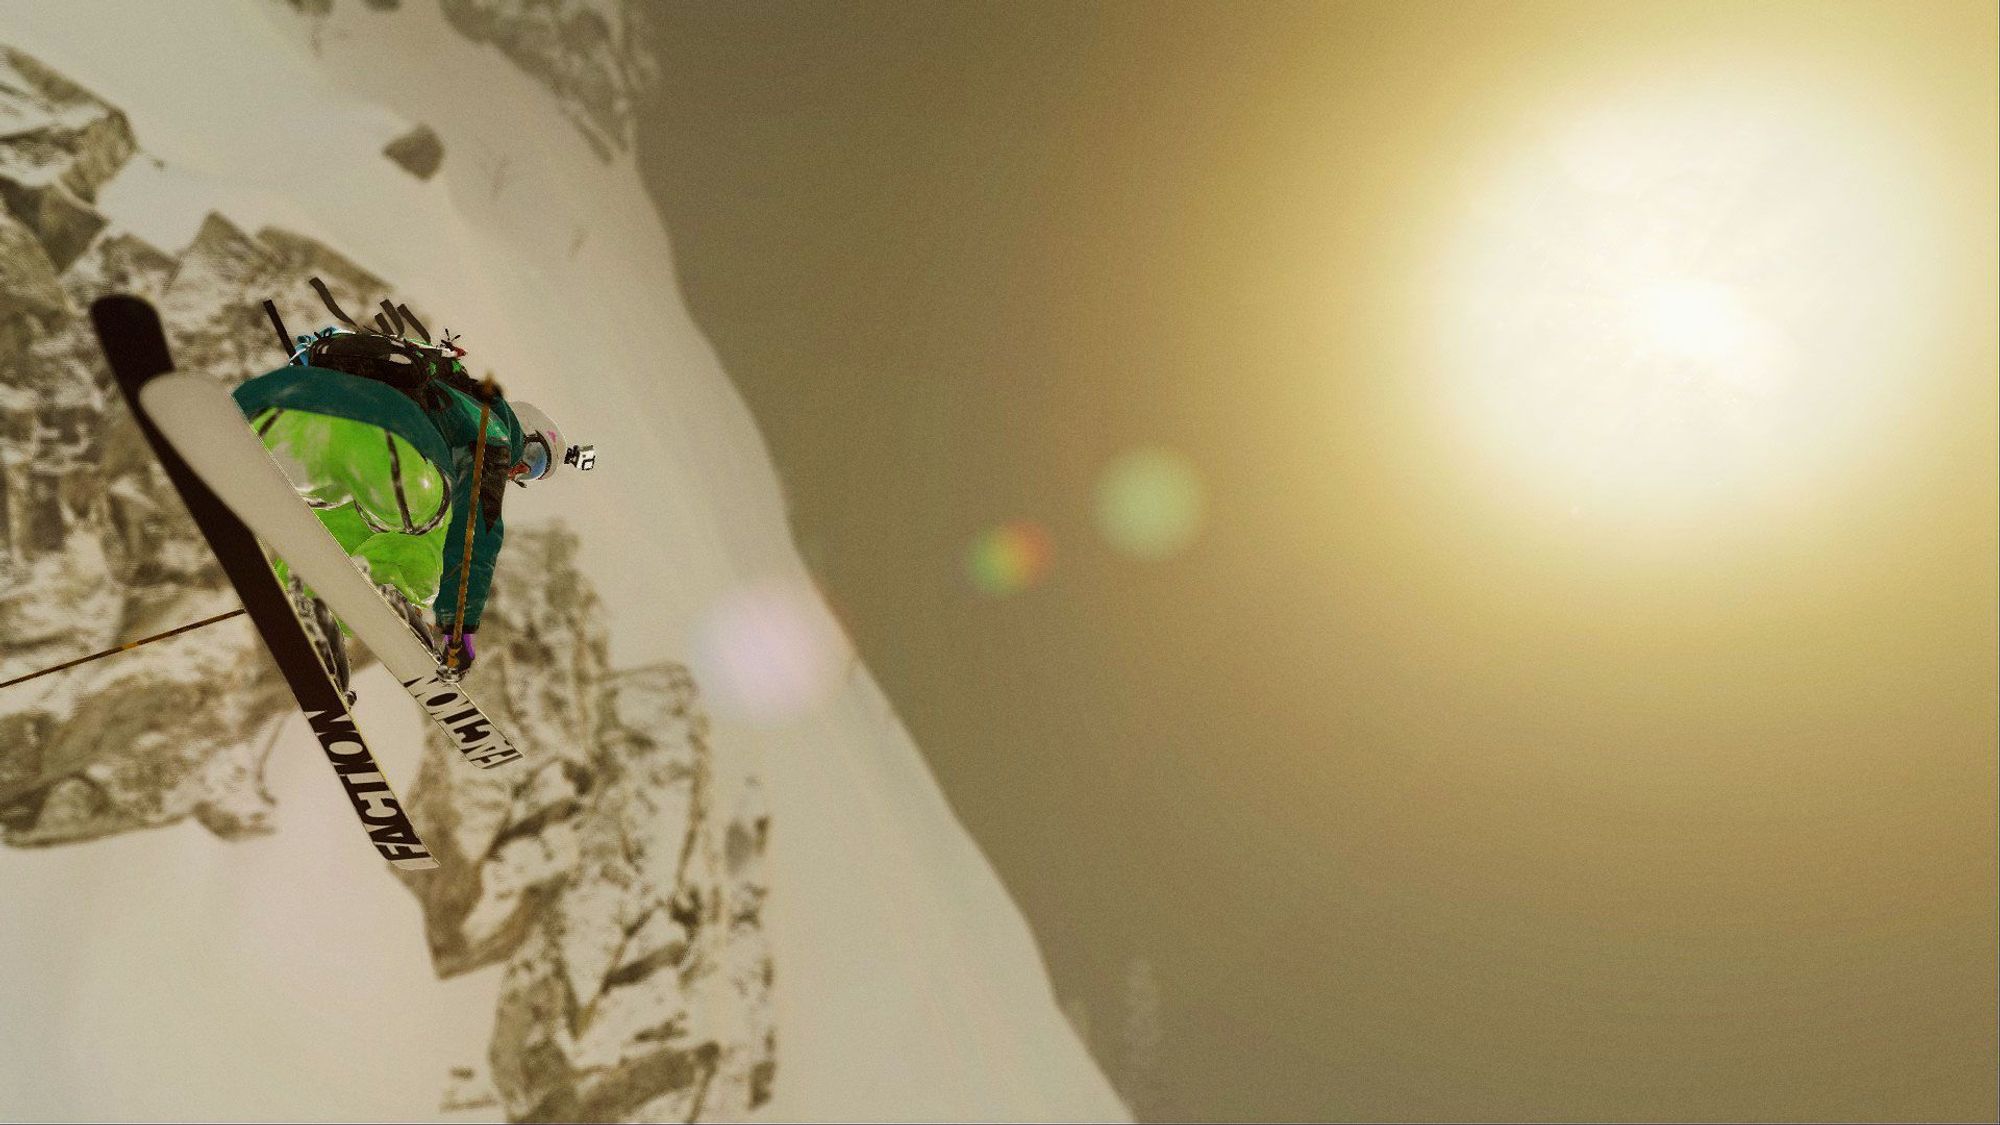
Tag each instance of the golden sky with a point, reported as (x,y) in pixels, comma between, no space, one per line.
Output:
(1561,679)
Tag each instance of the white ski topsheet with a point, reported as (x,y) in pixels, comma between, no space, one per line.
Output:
(908,986)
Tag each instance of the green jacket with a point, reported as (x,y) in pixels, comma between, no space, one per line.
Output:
(445,433)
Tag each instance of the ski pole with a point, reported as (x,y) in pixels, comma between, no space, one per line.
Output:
(487,391)
(278,325)
(126,647)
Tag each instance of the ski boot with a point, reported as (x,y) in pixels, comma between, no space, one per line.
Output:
(323,629)
(414,616)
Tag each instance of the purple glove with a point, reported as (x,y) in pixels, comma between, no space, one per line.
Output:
(459,653)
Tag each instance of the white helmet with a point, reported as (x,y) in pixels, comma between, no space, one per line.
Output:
(546,450)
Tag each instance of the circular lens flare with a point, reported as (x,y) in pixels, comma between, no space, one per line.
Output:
(767,653)
(1150,503)
(1008,559)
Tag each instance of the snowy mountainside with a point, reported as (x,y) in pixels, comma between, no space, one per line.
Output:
(596,879)
(700,899)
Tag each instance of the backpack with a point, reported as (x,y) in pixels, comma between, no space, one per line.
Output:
(384,352)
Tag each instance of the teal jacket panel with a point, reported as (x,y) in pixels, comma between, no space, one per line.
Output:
(458,423)
(319,391)
(445,432)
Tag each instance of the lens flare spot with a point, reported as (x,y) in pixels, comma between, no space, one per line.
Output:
(1150,503)
(1008,559)
(767,653)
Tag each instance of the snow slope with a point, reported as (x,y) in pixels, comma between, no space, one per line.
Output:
(171,973)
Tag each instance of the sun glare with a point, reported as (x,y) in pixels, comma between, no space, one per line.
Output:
(1662,297)
(1695,320)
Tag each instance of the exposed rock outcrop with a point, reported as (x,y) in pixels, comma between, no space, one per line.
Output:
(95,546)
(625,905)
(60,145)
(418,152)
(591,54)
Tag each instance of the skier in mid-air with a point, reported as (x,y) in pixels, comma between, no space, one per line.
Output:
(396,450)
(381,436)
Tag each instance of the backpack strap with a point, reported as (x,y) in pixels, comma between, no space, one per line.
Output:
(332,305)
(416,325)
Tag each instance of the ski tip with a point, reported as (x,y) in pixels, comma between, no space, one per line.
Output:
(129,331)
(414,863)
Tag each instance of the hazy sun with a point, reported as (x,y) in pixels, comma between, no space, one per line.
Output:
(1662,297)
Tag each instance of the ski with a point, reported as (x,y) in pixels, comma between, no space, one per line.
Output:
(200,419)
(135,347)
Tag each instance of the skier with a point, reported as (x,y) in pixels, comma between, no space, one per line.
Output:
(236,496)
(381,435)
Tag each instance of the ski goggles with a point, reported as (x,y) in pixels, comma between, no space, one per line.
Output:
(536,459)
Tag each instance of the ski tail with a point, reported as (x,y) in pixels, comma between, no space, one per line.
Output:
(136,348)
(134,343)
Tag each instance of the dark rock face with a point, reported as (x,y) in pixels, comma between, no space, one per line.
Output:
(606,874)
(419,152)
